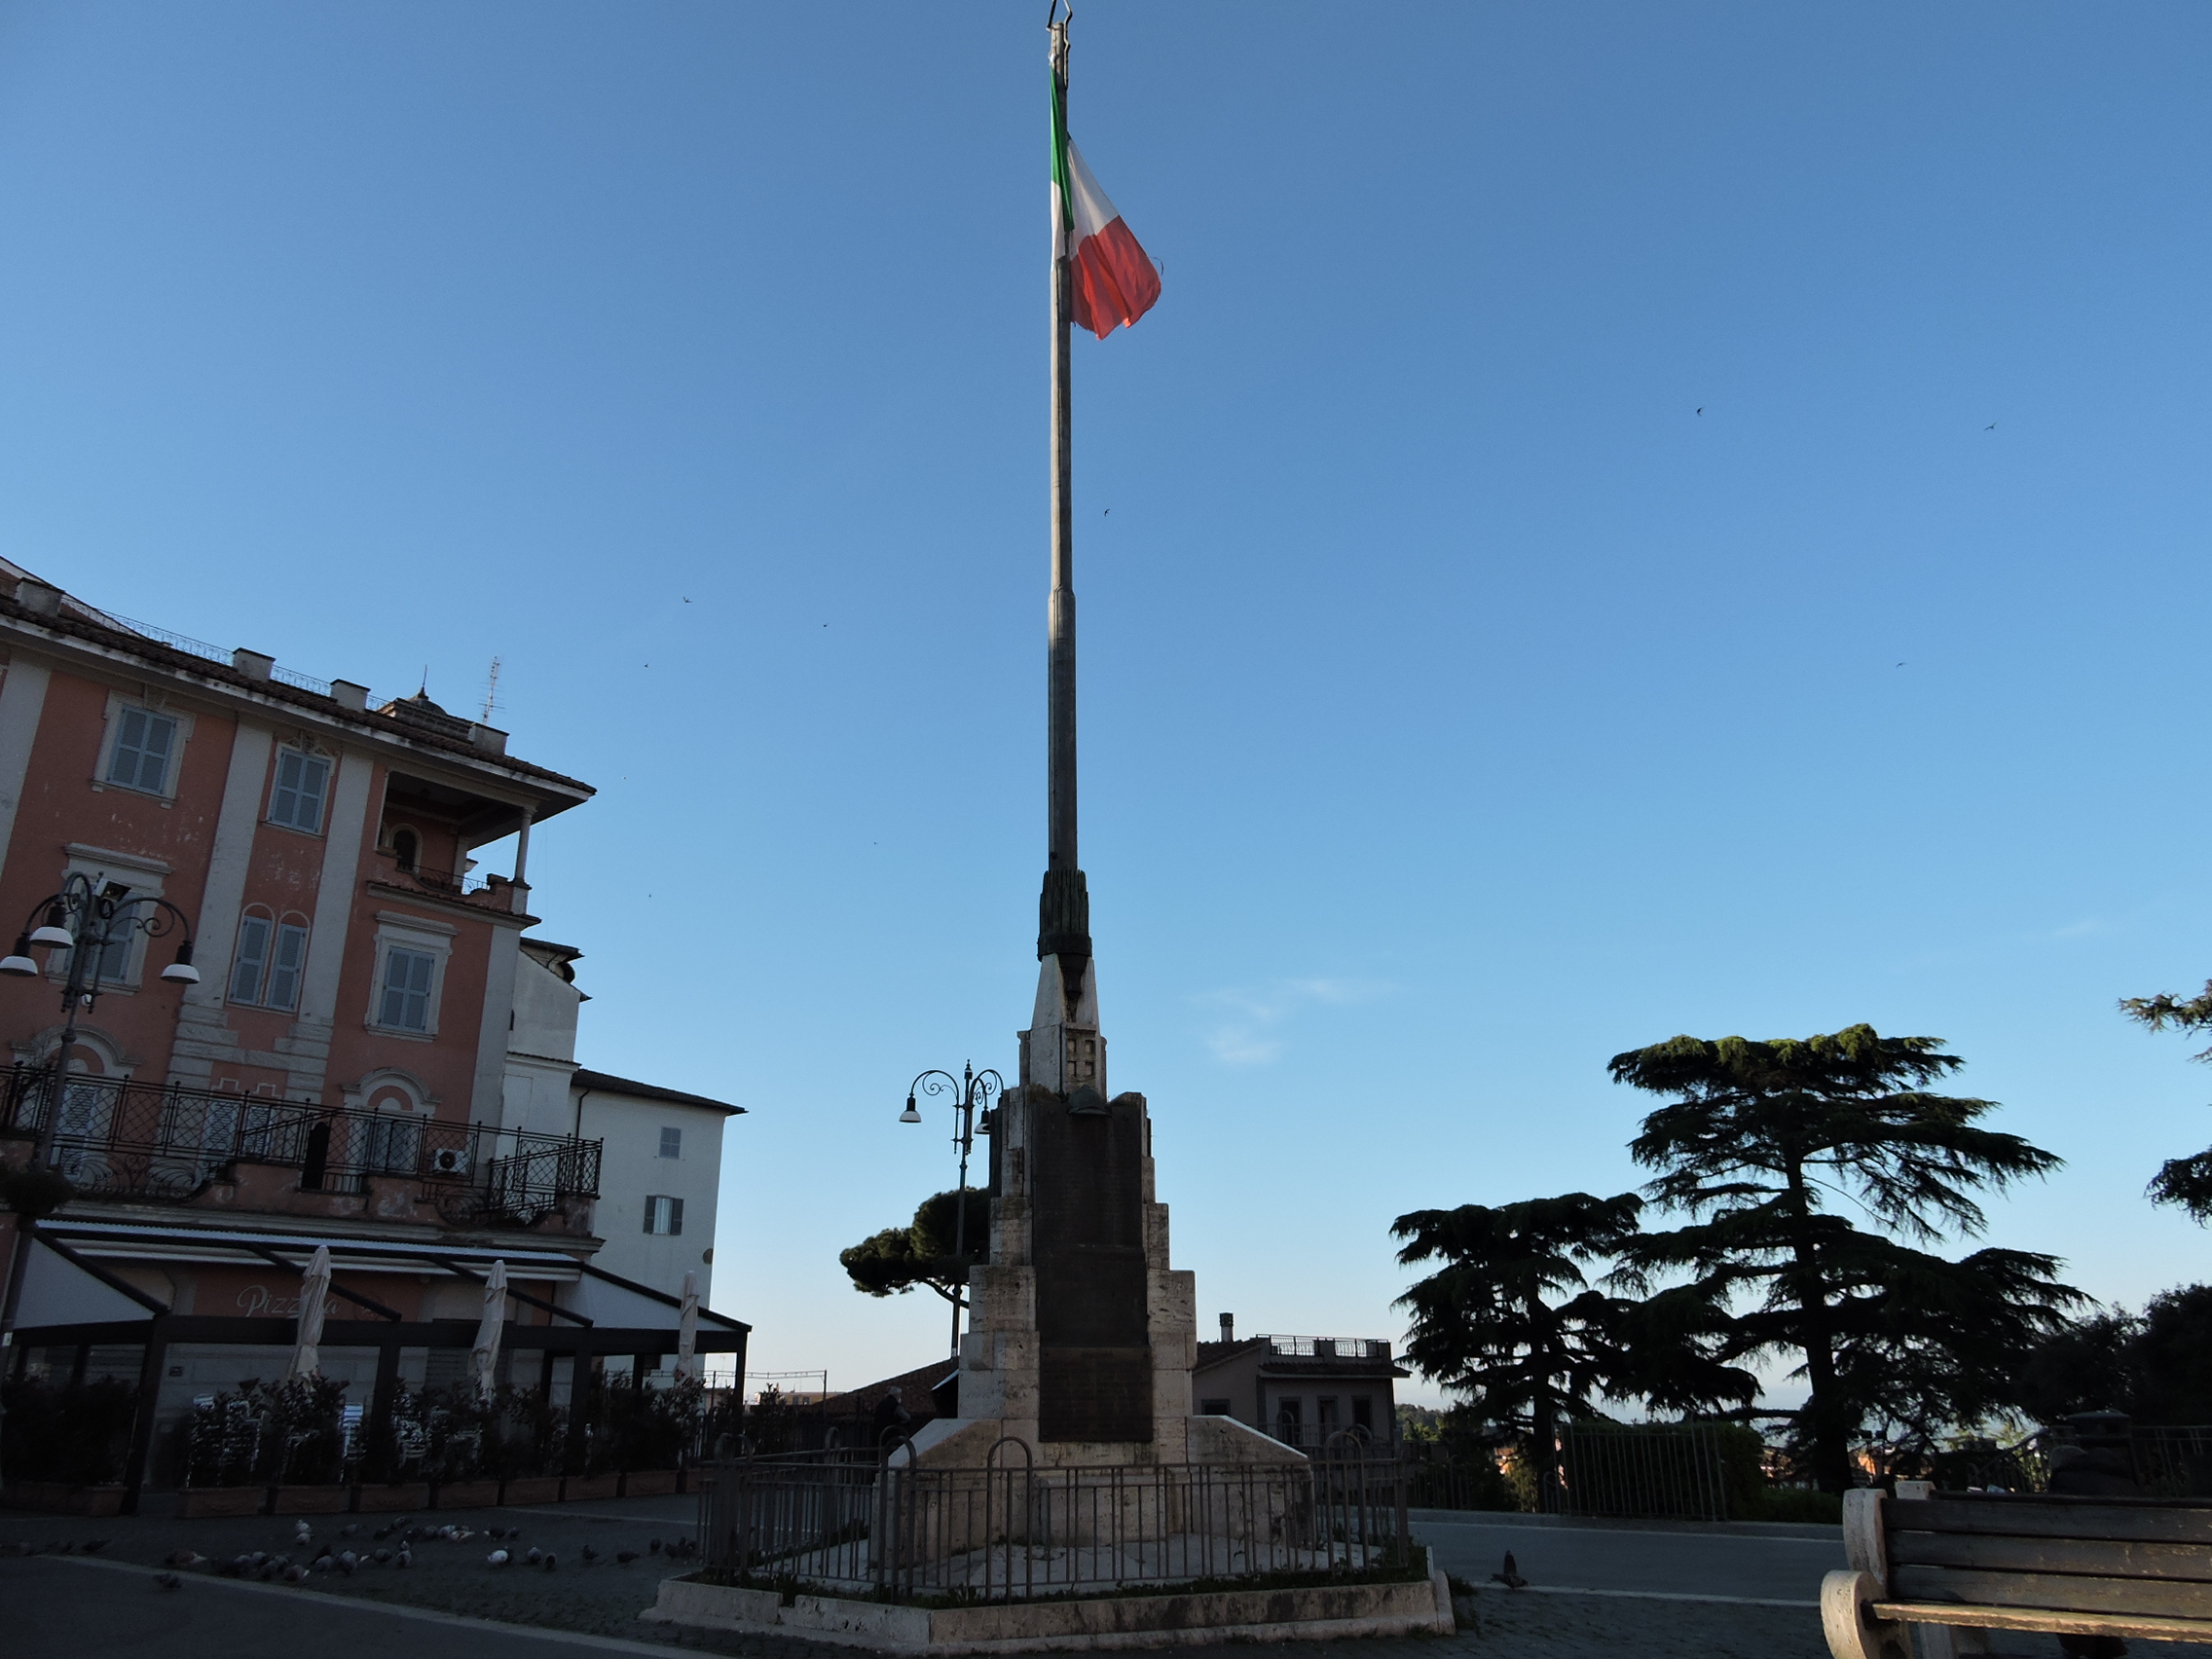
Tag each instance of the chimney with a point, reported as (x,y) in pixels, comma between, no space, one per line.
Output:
(348,695)
(1229,1327)
(488,740)
(254,665)
(44,598)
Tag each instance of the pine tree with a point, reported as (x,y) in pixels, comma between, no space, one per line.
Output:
(1758,1142)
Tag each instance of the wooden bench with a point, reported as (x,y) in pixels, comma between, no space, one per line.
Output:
(1964,1564)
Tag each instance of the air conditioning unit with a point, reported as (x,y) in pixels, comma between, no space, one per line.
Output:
(449,1160)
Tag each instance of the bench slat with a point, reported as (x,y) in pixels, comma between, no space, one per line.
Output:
(2048,1518)
(2038,1619)
(2099,1558)
(2149,1598)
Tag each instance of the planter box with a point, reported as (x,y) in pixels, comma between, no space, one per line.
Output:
(465,1495)
(584,1487)
(196,1501)
(392,1499)
(532,1489)
(58,1497)
(648,1482)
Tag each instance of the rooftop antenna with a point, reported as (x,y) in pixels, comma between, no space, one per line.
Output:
(491,693)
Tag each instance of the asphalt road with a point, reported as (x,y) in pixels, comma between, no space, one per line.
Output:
(1677,1560)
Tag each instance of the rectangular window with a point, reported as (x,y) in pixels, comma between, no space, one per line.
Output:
(296,801)
(253,959)
(122,935)
(672,1143)
(664,1215)
(1214,1408)
(142,748)
(291,961)
(1362,1411)
(406,1002)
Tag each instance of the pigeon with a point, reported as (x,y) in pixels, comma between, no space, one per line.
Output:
(302,1532)
(95,1547)
(168,1581)
(1700,410)
(347,1562)
(1991,428)
(324,1562)
(533,1555)
(295,1574)
(588,1553)
(406,1556)
(381,1556)
(1511,1577)
(184,1558)
(551,1561)
(383,1532)
(350,1529)
(259,1558)
(623,1558)
(238,1567)
(497,1558)
(654,1546)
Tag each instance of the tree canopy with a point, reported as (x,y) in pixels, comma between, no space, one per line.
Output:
(899,1258)
(1511,1321)
(1759,1144)
(2184,1181)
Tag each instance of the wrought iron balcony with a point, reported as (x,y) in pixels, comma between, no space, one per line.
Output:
(169,1144)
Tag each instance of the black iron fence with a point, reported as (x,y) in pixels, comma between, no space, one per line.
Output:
(845,1523)
(1647,1471)
(117,1137)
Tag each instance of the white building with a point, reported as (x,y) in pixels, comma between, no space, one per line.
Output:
(662,1158)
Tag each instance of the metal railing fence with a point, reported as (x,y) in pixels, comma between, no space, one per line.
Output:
(1656,1472)
(117,1137)
(841,1521)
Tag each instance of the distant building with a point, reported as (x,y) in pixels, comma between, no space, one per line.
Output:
(662,1157)
(374,1059)
(1300,1389)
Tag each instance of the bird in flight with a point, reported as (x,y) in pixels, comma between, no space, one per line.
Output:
(686,602)
(1701,409)
(1991,428)
(1108,513)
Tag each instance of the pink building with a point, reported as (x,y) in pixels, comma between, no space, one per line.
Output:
(340,1075)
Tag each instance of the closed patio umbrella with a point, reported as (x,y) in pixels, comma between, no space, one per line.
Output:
(315,1291)
(489,1328)
(687,1328)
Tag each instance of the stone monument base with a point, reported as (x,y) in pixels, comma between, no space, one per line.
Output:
(1212,1442)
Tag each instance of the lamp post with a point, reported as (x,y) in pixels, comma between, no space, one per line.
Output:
(86,920)
(968,1090)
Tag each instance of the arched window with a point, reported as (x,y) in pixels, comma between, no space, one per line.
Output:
(407,849)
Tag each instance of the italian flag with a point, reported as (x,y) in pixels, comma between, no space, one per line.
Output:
(1110,280)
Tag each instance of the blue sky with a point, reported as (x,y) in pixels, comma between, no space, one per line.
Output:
(1461,707)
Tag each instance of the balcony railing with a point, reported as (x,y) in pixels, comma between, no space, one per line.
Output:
(118,1138)
(1330,1348)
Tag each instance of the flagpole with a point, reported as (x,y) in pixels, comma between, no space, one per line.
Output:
(1064,906)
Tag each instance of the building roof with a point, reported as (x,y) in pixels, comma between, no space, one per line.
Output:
(1295,1357)
(606,1082)
(415,722)
(911,1390)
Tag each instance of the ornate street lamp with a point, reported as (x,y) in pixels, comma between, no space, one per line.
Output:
(970,1090)
(86,921)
